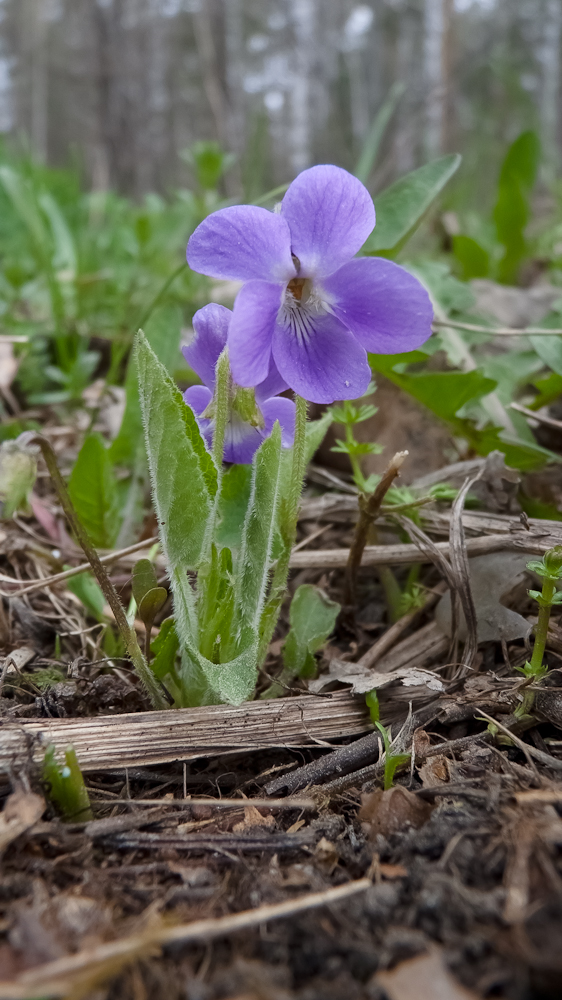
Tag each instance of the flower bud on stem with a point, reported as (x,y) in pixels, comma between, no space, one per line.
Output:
(127,633)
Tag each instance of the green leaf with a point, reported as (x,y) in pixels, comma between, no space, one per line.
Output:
(184,480)
(164,647)
(511,212)
(259,529)
(65,257)
(143,580)
(549,349)
(374,136)
(402,206)
(312,617)
(235,495)
(444,393)
(87,590)
(152,602)
(163,332)
(184,476)
(316,431)
(206,683)
(549,389)
(93,492)
(18,471)
(473,259)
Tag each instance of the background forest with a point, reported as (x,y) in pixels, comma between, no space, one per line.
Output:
(124,86)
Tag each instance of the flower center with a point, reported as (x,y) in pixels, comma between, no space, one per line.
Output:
(298,288)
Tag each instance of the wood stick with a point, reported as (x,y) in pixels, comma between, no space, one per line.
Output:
(109,557)
(146,738)
(505,331)
(57,978)
(539,417)
(383,555)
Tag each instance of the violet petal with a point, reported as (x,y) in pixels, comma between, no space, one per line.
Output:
(211,329)
(330,214)
(282,409)
(251,330)
(240,243)
(322,362)
(241,441)
(386,307)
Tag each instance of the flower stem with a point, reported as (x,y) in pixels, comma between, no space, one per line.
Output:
(221,406)
(299,459)
(288,529)
(548,591)
(127,633)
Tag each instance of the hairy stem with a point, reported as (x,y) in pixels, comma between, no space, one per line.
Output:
(127,633)
(548,590)
(221,402)
(288,528)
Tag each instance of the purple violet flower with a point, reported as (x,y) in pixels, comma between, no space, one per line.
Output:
(306,303)
(243,436)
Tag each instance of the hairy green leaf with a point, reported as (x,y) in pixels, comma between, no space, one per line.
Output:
(163,331)
(184,480)
(164,647)
(259,529)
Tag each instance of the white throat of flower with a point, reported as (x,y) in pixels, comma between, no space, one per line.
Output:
(303,301)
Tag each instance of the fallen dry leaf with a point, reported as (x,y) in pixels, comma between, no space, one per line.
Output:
(326,855)
(21,811)
(425,977)
(390,811)
(364,679)
(253,817)
(435,771)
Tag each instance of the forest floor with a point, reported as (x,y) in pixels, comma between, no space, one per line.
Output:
(447,885)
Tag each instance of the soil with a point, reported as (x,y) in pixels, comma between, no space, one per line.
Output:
(464,853)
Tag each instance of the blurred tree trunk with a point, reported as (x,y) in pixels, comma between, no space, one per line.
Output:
(303,19)
(213,81)
(437,60)
(550,93)
(34,78)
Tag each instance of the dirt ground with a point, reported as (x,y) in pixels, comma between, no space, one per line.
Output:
(463,854)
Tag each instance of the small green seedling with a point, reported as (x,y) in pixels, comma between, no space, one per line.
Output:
(66,788)
(392,761)
(550,569)
(372,703)
(312,617)
(349,414)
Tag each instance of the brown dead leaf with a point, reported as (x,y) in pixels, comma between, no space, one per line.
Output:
(326,855)
(390,811)
(435,771)
(21,811)
(253,817)
(425,977)
(392,871)
(296,826)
